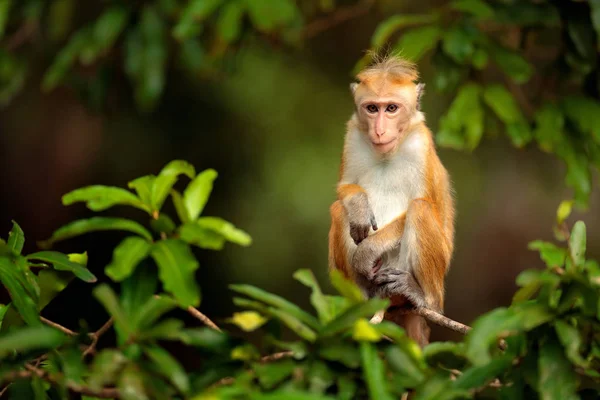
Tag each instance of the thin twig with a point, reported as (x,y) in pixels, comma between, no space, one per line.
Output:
(439,319)
(96,336)
(203,318)
(58,326)
(339,16)
(277,356)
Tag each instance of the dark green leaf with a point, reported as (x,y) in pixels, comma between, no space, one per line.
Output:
(582,36)
(206,338)
(318,300)
(459,44)
(277,302)
(289,395)
(167,329)
(51,283)
(271,374)
(167,178)
(505,107)
(479,376)
(297,326)
(21,300)
(226,229)
(449,355)
(196,235)
(94,224)
(267,17)
(387,28)
(163,224)
(169,367)
(477,8)
(177,266)
(513,64)
(137,290)
(414,44)
(595,16)
(374,372)
(3,309)
(4,14)
(65,58)
(61,262)
(229,23)
(100,198)
(103,34)
(463,123)
(549,122)
(30,338)
(404,364)
(105,368)
(585,113)
(557,379)
(16,239)
(346,388)
(126,256)
(151,311)
(342,351)
(551,254)
(105,295)
(197,193)
(350,316)
(194,13)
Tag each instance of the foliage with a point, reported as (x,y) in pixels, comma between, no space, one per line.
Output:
(550,348)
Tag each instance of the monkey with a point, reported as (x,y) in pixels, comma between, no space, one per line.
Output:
(392,224)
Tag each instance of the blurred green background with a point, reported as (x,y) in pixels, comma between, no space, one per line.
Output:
(272,123)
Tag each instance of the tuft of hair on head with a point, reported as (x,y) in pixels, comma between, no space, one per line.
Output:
(391,66)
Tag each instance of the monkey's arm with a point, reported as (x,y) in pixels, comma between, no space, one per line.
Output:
(360,216)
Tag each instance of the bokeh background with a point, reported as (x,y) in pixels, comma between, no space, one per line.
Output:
(272,124)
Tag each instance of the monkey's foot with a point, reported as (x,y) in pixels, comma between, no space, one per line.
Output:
(392,281)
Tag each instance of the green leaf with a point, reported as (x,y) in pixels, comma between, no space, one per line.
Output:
(169,367)
(51,283)
(289,395)
(61,262)
(374,372)
(152,310)
(205,338)
(513,64)
(346,287)
(177,266)
(459,44)
(3,309)
(226,229)
(478,376)
(167,178)
(551,254)
(16,239)
(180,208)
(585,113)
(248,320)
(577,243)
(94,224)
(104,33)
(341,351)
(350,316)
(557,379)
(563,211)
(571,339)
(462,126)
(197,193)
(267,17)
(595,16)
(204,238)
(365,331)
(65,58)
(278,302)
(163,224)
(477,8)
(21,300)
(505,107)
(414,44)
(131,383)
(126,256)
(105,368)
(450,355)
(230,20)
(318,300)
(143,187)
(30,338)
(271,374)
(100,198)
(192,15)
(167,329)
(105,295)
(4,14)
(404,364)
(137,290)
(390,25)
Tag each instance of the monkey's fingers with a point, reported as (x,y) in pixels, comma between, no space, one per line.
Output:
(358,233)
(373,222)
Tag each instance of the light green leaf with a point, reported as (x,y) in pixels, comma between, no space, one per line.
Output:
(549,121)
(65,58)
(167,329)
(551,254)
(346,287)
(126,256)
(415,43)
(194,13)
(131,383)
(479,376)
(278,302)
(571,339)
(364,331)
(557,379)
(180,208)
(21,300)
(462,126)
(94,224)
(100,198)
(3,309)
(204,238)
(177,266)
(169,367)
(374,372)
(404,364)
(61,262)
(347,319)
(577,243)
(248,320)
(105,368)
(198,191)
(105,295)
(16,239)
(390,25)
(104,33)
(143,187)
(167,178)
(505,107)
(5,6)
(477,8)
(563,211)
(30,338)
(226,229)
(231,18)
(51,283)
(318,300)
(289,395)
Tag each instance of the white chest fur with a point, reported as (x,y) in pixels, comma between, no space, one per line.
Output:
(391,183)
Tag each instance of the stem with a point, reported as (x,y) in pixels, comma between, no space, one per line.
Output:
(197,314)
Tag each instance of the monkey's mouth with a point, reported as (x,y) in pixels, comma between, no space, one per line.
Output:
(384,146)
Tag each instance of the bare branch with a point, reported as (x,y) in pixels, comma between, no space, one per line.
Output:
(197,314)
(342,14)
(277,356)
(96,336)
(58,326)
(440,320)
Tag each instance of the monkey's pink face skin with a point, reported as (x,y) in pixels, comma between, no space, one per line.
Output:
(386,120)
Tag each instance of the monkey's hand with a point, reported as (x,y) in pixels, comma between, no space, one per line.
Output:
(360,216)
(392,281)
(367,258)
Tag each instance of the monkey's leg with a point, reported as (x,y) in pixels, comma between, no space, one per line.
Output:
(337,251)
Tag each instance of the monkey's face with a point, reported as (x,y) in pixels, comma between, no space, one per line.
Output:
(385,114)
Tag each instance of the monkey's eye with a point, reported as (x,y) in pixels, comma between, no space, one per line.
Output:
(372,108)
(392,108)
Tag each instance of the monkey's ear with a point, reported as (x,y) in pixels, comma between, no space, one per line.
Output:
(353,87)
(420,91)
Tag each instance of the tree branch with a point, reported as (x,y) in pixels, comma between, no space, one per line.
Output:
(197,314)
(96,336)
(342,14)
(58,326)
(439,319)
